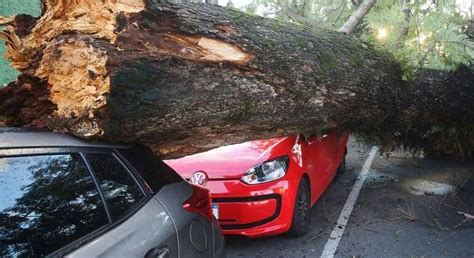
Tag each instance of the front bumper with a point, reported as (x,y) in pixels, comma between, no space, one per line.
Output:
(253,210)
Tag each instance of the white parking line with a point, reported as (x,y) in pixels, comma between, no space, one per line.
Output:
(336,234)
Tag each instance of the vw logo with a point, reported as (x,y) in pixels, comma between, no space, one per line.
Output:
(199,178)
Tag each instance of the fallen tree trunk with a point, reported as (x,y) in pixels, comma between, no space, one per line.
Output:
(438,117)
(187,78)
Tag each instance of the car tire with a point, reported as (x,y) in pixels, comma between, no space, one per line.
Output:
(300,224)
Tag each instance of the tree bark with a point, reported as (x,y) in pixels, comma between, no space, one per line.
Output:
(187,78)
(405,10)
(356,18)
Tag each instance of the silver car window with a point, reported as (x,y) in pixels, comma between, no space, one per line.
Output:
(121,191)
(46,202)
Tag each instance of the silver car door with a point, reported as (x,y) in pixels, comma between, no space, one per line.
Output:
(149,230)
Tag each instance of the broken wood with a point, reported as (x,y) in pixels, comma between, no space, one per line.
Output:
(186,78)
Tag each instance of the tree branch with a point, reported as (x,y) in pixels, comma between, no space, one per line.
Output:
(340,14)
(405,9)
(356,17)
(296,17)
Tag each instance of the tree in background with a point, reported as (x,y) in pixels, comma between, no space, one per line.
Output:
(421,34)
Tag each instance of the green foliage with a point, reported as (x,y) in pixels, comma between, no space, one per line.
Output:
(432,36)
(8,8)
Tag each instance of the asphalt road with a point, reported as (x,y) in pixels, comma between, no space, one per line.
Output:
(407,207)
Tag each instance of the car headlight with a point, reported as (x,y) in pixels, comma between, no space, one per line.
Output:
(266,172)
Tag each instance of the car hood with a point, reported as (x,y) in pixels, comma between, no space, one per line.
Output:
(231,162)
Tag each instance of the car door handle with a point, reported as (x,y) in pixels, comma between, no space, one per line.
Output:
(158,253)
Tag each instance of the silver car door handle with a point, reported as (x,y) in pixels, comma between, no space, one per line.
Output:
(158,253)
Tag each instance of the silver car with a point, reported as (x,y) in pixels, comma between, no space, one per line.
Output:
(61,196)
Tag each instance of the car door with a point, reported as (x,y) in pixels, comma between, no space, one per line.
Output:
(51,205)
(197,234)
(332,146)
(142,225)
(317,156)
(323,154)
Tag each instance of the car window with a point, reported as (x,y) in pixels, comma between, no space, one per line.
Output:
(150,167)
(120,190)
(46,202)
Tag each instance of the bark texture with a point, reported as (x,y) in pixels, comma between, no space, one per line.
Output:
(187,78)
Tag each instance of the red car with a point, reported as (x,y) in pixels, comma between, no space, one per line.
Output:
(266,187)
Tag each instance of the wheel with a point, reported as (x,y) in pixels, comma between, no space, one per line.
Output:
(342,166)
(300,223)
